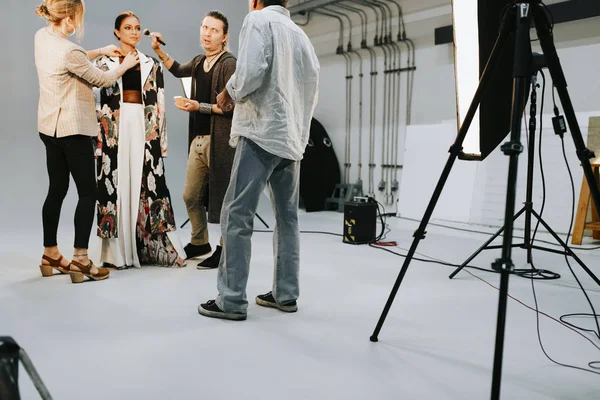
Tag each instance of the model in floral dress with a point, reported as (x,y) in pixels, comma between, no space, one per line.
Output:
(135,213)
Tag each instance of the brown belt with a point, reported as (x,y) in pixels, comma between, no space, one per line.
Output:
(132,96)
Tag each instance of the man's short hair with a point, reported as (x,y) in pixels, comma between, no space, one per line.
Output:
(267,3)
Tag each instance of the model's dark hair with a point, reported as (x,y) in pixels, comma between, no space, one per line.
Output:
(121,18)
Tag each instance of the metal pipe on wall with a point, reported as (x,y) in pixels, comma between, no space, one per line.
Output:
(350,51)
(394,87)
(373,97)
(349,77)
(389,64)
(410,70)
(388,165)
(363,44)
(393,120)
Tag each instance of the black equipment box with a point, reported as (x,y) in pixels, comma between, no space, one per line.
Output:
(360,222)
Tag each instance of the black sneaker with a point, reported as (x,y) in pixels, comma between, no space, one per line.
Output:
(193,251)
(210,309)
(267,300)
(212,261)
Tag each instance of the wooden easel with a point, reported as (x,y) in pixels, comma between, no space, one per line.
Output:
(581,222)
(583,209)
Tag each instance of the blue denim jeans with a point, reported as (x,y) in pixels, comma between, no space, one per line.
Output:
(253,169)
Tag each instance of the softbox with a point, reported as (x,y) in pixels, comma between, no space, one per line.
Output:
(476,26)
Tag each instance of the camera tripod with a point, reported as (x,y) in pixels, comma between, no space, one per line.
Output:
(516,21)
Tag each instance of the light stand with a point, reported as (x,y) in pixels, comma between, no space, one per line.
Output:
(516,20)
(527,209)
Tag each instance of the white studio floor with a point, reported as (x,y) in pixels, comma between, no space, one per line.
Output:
(139,336)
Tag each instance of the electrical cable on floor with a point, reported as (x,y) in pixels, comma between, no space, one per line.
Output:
(432,260)
(527,273)
(562,318)
(593,314)
(538,331)
(440,262)
(538,312)
(310,232)
(487,233)
(594,364)
(384,227)
(380,245)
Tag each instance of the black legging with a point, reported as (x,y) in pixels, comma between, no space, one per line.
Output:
(71,155)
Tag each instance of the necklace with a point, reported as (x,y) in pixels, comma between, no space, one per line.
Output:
(213,58)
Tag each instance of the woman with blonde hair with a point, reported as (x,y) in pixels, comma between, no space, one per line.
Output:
(67,123)
(135,213)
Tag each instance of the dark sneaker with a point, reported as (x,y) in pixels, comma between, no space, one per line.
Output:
(210,309)
(212,261)
(267,300)
(193,251)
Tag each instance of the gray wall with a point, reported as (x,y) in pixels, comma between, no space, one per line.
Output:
(24,179)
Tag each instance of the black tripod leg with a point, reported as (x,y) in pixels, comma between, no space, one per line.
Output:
(454,151)
(583,153)
(500,329)
(257,216)
(484,246)
(262,220)
(33,374)
(521,70)
(566,247)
